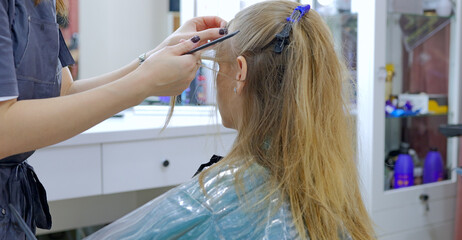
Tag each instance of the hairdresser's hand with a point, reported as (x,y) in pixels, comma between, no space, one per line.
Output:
(168,72)
(207,28)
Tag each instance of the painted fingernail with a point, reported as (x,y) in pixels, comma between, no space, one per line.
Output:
(195,39)
(223,31)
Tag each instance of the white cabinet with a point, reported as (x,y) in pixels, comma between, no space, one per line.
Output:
(69,172)
(432,232)
(130,166)
(89,170)
(401,213)
(415,216)
(120,161)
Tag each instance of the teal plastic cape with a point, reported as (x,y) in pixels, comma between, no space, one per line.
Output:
(185,212)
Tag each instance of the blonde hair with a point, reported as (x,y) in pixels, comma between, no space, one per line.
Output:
(60,7)
(295,119)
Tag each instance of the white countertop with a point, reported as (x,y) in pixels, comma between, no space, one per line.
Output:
(146,122)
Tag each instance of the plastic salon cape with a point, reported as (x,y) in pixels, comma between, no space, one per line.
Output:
(186,213)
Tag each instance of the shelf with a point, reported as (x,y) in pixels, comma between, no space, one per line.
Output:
(419,187)
(416,29)
(420,115)
(451,130)
(420,15)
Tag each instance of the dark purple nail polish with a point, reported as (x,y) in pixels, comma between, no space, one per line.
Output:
(195,39)
(223,31)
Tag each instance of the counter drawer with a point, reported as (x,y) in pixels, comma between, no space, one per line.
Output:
(441,231)
(138,165)
(412,217)
(69,172)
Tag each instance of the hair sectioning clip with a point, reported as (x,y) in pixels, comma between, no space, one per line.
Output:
(298,13)
(282,38)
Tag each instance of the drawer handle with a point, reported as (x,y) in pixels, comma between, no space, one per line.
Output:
(166,163)
(424,198)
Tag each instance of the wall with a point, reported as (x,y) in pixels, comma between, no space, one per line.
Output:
(115,32)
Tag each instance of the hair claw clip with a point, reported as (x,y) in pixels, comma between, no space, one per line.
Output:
(282,38)
(298,13)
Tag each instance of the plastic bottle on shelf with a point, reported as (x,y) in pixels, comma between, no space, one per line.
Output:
(433,167)
(390,68)
(404,171)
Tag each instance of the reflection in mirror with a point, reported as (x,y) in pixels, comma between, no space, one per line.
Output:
(70,29)
(104,36)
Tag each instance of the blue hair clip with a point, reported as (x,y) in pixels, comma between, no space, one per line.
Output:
(298,13)
(282,38)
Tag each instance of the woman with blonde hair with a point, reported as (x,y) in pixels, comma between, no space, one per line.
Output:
(291,173)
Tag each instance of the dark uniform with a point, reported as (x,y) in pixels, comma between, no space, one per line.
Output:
(32,54)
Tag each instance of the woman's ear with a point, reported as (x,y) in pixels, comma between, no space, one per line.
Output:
(241,73)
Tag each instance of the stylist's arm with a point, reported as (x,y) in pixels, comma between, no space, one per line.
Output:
(32,124)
